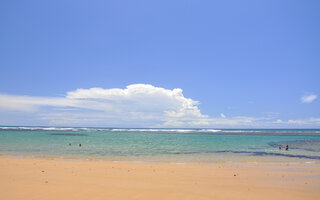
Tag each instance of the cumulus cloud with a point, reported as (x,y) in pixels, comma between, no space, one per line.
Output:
(308,98)
(137,105)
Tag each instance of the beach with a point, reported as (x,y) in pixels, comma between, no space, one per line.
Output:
(159,100)
(56,178)
(89,163)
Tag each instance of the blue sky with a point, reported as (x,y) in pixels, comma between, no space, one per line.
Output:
(240,63)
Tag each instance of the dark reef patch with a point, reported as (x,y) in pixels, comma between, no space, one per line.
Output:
(69,134)
(262,153)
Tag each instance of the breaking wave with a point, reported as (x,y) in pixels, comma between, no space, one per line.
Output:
(302,132)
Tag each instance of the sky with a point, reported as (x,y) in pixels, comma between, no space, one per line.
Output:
(201,64)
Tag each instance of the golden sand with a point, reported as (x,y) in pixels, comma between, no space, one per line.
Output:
(41,179)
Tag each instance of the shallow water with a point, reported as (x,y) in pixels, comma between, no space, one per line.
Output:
(199,145)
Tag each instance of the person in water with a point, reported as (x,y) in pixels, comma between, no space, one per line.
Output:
(280,148)
(79,145)
(287,147)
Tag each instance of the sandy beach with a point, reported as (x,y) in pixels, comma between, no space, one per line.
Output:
(47,178)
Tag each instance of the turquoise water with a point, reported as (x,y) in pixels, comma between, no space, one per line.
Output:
(161,144)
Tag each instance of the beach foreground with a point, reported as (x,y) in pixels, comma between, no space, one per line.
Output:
(44,178)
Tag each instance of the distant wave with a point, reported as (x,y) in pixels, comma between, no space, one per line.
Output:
(166,130)
(303,132)
(27,128)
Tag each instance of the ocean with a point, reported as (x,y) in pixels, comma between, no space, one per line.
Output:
(173,145)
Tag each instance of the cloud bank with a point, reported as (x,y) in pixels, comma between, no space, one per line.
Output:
(308,121)
(137,105)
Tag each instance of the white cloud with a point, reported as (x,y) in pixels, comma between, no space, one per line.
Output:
(308,98)
(137,105)
(29,104)
(301,122)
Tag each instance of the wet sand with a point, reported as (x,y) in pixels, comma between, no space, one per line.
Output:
(45,178)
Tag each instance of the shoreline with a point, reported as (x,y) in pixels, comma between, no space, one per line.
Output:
(59,178)
(245,160)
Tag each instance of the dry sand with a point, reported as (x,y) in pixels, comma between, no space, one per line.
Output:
(39,178)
